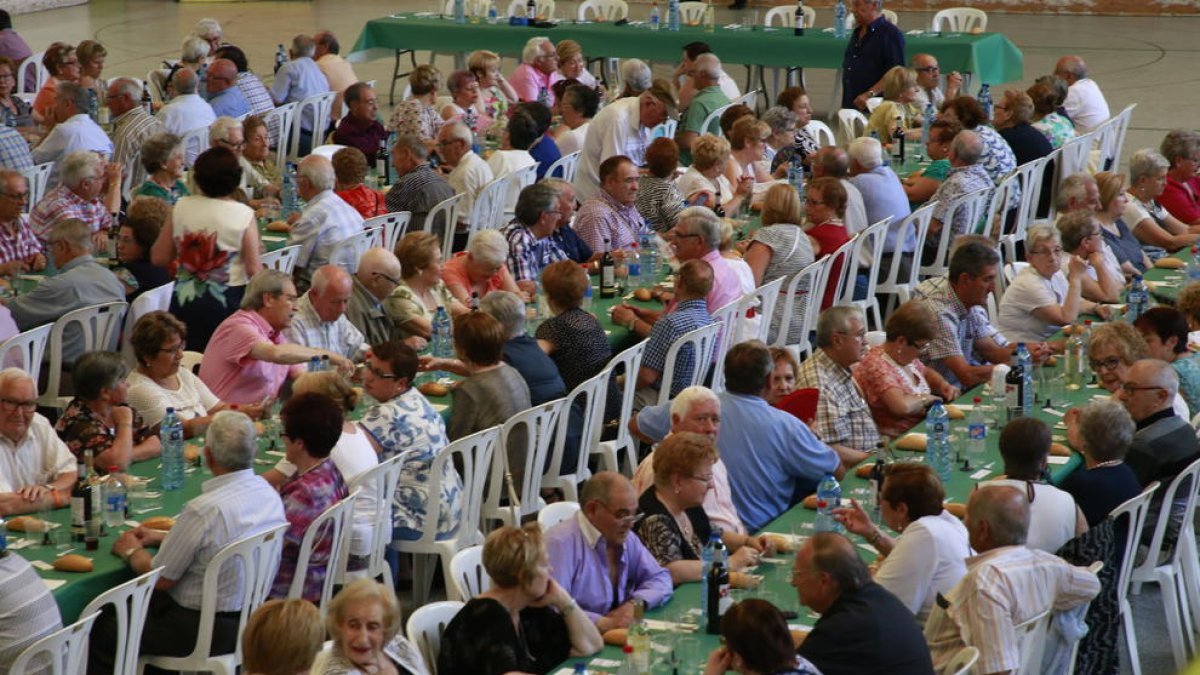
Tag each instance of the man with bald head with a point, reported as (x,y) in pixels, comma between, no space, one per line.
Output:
(226,99)
(187,111)
(705,75)
(966,175)
(320,320)
(929,82)
(326,220)
(599,561)
(377,276)
(1006,584)
(1085,103)
(863,627)
(36,468)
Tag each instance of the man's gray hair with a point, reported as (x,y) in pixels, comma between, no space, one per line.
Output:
(834,161)
(219,130)
(414,144)
(232,440)
(75,93)
(11,375)
(1006,511)
(836,319)
(600,487)
(779,118)
(533,201)
(1107,430)
(1160,374)
(206,28)
(533,47)
(194,50)
(682,404)
(1179,143)
(378,260)
(636,75)
(1075,66)
(266,282)
(557,184)
(1038,234)
(8,174)
(1146,162)
(1073,187)
(73,232)
(702,221)
(304,45)
(867,152)
(319,171)
(79,166)
(834,555)
(127,86)
(1075,227)
(184,80)
(459,132)
(708,66)
(968,147)
(488,247)
(508,309)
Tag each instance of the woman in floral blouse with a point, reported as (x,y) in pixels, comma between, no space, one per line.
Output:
(496,94)
(99,419)
(417,115)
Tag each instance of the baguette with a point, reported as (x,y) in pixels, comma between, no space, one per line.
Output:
(743,580)
(1170,263)
(810,502)
(26,524)
(782,543)
(864,470)
(955,412)
(913,442)
(160,523)
(433,389)
(616,637)
(73,562)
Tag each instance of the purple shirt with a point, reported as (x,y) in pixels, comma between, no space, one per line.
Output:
(305,498)
(360,134)
(577,555)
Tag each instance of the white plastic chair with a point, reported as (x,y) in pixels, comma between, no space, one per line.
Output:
(703,342)
(446,213)
(714,118)
(800,302)
(899,287)
(282,259)
(557,512)
(873,103)
(729,318)
(473,455)
(564,167)
(545,8)
(1073,157)
(279,127)
(590,395)
(130,601)
(59,653)
(38,178)
(1031,643)
(380,480)
(100,326)
(537,424)
(347,252)
(335,525)
(1029,177)
(851,124)
(517,181)
(959,20)
(191,361)
(961,662)
(153,300)
(1119,138)
(973,205)
(426,625)
(627,362)
(394,226)
(321,106)
(194,142)
(40,74)
(487,211)
(602,10)
(761,302)
(868,246)
(467,573)
(848,269)
(1135,511)
(32,348)
(257,557)
(327,151)
(692,13)
(820,131)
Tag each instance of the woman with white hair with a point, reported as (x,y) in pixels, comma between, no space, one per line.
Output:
(636,77)
(1150,222)
(1102,435)
(480,269)
(1042,299)
(192,53)
(162,158)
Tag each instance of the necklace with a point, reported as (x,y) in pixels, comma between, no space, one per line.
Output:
(1111,462)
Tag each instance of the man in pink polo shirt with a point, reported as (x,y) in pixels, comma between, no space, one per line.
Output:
(531,79)
(697,236)
(248,359)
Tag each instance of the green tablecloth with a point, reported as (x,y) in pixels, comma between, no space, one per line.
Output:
(989,56)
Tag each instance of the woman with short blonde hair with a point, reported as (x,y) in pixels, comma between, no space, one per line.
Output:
(417,115)
(781,249)
(421,290)
(1116,232)
(282,637)
(900,92)
(496,93)
(705,182)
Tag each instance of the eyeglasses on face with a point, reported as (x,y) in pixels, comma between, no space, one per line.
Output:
(379,373)
(10,405)
(1110,363)
(1131,387)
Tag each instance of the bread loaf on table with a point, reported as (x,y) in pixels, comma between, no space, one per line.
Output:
(73,562)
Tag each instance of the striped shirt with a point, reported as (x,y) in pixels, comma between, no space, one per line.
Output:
(338,336)
(229,507)
(325,222)
(14,150)
(27,609)
(604,219)
(659,201)
(130,131)
(59,204)
(418,191)
(528,255)
(17,241)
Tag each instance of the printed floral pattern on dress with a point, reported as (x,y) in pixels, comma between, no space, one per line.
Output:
(202,268)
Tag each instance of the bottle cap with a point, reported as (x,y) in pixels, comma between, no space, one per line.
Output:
(978,400)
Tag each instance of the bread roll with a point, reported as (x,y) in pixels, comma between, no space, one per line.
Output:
(433,389)
(615,637)
(160,523)
(957,510)
(1059,450)
(25,524)
(73,562)
(913,442)
(864,470)
(1051,361)
(782,543)
(1169,263)
(191,452)
(810,502)
(743,580)
(278,226)
(642,294)
(955,412)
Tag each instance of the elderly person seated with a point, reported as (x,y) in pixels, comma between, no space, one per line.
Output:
(926,557)
(493,391)
(258,161)
(62,63)
(187,110)
(248,359)
(531,246)
(897,386)
(1148,220)
(21,251)
(898,108)
(39,470)
(193,53)
(1047,100)
(967,175)
(1112,350)
(359,128)
(781,249)
(413,303)
(162,158)
(320,320)
(417,115)
(1042,298)
(525,622)
(609,221)
(705,184)
(1012,116)
(573,337)
(843,418)
(1102,280)
(674,526)
(1109,206)
(74,130)
(90,191)
(577,106)
(755,638)
(464,97)
(12,107)
(364,621)
(920,185)
(805,144)
(312,425)
(1165,330)
(101,420)
(282,637)
(782,123)
(418,188)
(481,269)
(747,143)
(496,93)
(825,226)
(350,169)
(704,98)
(532,78)
(572,65)
(783,375)
(1102,433)
(1181,149)
(136,237)
(659,200)
(327,220)
(996,157)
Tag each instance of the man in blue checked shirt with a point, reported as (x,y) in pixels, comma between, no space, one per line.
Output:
(530,246)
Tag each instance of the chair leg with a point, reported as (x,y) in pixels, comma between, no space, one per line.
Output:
(1135,662)
(422,578)
(1168,584)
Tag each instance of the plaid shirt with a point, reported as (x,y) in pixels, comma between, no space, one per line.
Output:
(686,317)
(339,337)
(960,181)
(130,131)
(843,416)
(304,498)
(17,241)
(259,99)
(61,203)
(604,219)
(958,327)
(14,150)
(528,255)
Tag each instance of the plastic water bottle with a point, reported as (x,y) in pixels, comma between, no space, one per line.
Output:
(976,434)
(655,18)
(648,258)
(829,497)
(288,199)
(493,12)
(795,177)
(673,15)
(442,347)
(281,57)
(635,266)
(638,637)
(460,12)
(1076,359)
(937,449)
(710,18)
(1137,301)
(314,364)
(1193,265)
(628,662)
(839,20)
(927,125)
(587,297)
(3,539)
(985,101)
(170,432)
(114,497)
(1026,361)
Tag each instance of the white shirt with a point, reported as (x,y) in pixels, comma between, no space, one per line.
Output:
(192,399)
(1085,105)
(572,139)
(468,178)
(1136,211)
(1111,264)
(1051,515)
(325,222)
(230,507)
(728,86)
(39,458)
(928,558)
(1029,291)
(78,132)
(692,182)
(856,210)
(505,162)
(615,130)
(185,113)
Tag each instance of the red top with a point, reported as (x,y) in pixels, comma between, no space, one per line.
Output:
(1182,199)
(831,236)
(366,201)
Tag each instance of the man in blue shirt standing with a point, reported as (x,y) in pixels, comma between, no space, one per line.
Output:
(875,46)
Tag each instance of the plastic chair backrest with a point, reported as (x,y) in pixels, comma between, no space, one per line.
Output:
(731,318)
(961,662)
(130,602)
(279,128)
(466,570)
(31,347)
(1135,510)
(321,106)
(603,10)
(797,297)
(446,213)
(555,513)
(1074,156)
(545,8)
(40,74)
(282,259)
(1031,641)
(819,130)
(996,213)
(327,151)
(959,20)
(692,13)
(153,300)
(972,205)
(381,481)
(334,525)
(537,425)
(868,246)
(1030,176)
(194,142)
(59,653)
(476,455)
(487,212)
(426,625)
(347,252)
(748,99)
(39,179)
(894,284)
(714,118)
(394,226)
(100,326)
(849,268)
(627,364)
(762,302)
(517,181)
(785,16)
(851,124)
(565,167)
(589,396)
(1169,510)
(703,343)
(1122,128)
